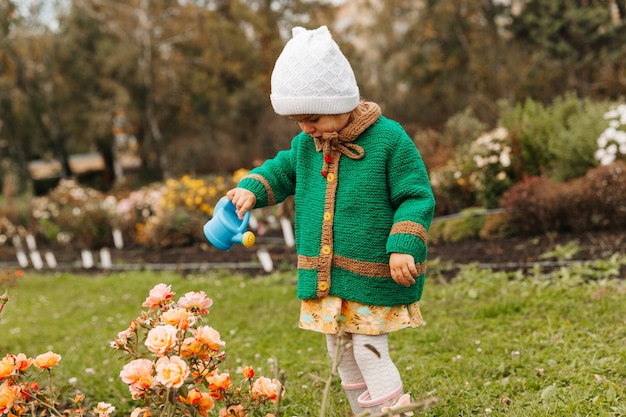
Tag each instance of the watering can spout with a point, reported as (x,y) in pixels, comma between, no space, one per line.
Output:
(226,228)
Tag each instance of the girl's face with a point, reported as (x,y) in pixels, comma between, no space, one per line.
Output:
(317,124)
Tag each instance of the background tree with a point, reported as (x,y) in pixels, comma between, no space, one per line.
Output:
(33,95)
(193,77)
(570,46)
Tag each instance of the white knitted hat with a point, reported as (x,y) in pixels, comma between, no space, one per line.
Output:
(311,76)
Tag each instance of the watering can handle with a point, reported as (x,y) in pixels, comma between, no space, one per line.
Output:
(228,205)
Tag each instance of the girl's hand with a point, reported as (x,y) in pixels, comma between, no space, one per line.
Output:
(243,199)
(403,269)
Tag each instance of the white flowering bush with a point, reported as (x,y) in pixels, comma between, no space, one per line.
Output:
(491,154)
(75,213)
(612,141)
(479,174)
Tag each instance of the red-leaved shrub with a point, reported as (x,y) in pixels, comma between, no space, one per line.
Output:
(595,201)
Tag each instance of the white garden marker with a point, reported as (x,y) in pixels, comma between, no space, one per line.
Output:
(87,258)
(31,244)
(265,259)
(105,258)
(22,259)
(287,232)
(253,223)
(118,239)
(35,258)
(51,260)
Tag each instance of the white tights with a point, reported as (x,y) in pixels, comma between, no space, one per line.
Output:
(364,358)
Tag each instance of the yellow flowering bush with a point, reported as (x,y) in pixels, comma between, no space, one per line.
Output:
(172,214)
(175,363)
(159,215)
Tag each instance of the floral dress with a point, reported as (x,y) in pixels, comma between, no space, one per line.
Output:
(329,314)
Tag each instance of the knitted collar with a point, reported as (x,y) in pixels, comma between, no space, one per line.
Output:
(365,115)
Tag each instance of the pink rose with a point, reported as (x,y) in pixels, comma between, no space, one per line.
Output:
(197,302)
(158,295)
(171,371)
(161,339)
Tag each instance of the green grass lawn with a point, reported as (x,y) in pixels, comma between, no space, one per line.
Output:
(495,344)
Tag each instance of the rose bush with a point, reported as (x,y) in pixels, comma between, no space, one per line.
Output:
(175,363)
(23,394)
(174,370)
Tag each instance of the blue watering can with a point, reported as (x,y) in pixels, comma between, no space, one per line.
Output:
(225,228)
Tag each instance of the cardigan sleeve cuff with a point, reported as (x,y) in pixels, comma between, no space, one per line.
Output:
(409,244)
(258,188)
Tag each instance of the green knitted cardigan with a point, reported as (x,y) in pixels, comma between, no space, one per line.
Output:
(360,195)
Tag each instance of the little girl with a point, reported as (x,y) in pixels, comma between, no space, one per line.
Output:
(363,206)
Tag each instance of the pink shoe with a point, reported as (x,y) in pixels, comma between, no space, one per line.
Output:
(403,401)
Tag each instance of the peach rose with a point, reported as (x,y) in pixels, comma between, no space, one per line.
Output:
(201,400)
(7,366)
(138,373)
(158,295)
(233,411)
(104,409)
(47,360)
(161,339)
(191,347)
(171,371)
(219,383)
(197,302)
(140,412)
(209,336)
(266,388)
(8,393)
(22,362)
(177,317)
(248,372)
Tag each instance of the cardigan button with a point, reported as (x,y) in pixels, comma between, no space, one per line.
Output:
(322,286)
(328,216)
(330,177)
(326,250)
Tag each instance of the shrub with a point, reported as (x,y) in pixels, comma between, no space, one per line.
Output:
(172,214)
(599,198)
(466,226)
(451,187)
(496,225)
(72,212)
(594,201)
(478,175)
(536,205)
(558,140)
